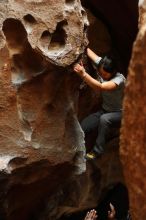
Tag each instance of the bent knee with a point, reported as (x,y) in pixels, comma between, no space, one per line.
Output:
(105,120)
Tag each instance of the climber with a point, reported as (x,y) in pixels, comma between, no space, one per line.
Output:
(111,84)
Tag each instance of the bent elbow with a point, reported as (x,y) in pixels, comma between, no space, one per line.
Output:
(103,87)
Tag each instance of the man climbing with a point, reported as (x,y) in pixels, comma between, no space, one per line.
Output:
(111,84)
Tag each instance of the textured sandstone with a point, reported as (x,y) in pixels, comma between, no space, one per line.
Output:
(133,140)
(32,92)
(40,137)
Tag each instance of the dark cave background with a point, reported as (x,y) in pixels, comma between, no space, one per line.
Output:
(121,20)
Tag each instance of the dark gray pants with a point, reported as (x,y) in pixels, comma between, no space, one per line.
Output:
(103,122)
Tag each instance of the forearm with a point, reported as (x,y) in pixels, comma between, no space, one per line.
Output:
(93,56)
(93,83)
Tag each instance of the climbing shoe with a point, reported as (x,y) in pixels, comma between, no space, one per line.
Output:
(93,155)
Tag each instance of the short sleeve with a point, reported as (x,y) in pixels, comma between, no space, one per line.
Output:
(97,60)
(118,79)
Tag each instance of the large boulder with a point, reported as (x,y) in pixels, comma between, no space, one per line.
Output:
(41,142)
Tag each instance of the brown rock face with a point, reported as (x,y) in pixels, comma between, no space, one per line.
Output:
(133,140)
(41,141)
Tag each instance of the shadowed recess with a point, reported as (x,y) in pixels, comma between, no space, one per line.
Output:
(59,37)
(69,2)
(29,19)
(45,39)
(26,63)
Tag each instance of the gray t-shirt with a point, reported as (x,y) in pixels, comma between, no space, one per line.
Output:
(112,100)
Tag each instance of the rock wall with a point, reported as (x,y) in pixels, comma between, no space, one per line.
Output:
(133,139)
(41,142)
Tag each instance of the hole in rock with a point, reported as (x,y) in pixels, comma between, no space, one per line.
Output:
(25,61)
(29,22)
(46,35)
(85,27)
(58,37)
(15,34)
(17,161)
(83,13)
(69,2)
(29,19)
(45,39)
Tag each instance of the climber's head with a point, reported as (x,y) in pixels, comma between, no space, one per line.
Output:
(107,68)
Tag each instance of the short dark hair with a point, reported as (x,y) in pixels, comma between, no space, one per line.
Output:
(108,64)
